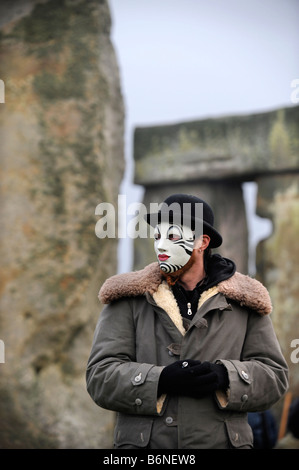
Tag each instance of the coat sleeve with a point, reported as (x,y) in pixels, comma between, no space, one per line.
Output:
(115,380)
(260,378)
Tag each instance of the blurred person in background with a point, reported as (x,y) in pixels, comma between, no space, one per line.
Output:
(264,428)
(185,348)
(293,420)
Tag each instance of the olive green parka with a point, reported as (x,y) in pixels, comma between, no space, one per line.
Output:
(140,331)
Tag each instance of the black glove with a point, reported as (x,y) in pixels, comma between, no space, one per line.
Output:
(222,381)
(177,378)
(192,378)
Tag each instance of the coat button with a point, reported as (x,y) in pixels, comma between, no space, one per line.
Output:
(138,401)
(169,420)
(138,378)
(170,353)
(244,398)
(244,375)
(185,364)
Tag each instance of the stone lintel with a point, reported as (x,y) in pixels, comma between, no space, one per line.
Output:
(221,148)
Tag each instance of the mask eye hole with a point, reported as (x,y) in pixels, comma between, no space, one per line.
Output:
(157,234)
(174,233)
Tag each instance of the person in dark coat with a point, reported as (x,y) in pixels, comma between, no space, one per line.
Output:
(185,347)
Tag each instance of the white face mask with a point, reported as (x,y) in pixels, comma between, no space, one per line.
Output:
(173,246)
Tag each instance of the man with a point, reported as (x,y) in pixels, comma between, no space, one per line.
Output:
(185,347)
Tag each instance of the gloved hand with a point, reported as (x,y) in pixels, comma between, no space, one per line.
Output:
(192,378)
(178,377)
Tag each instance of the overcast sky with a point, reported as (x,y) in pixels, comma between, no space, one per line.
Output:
(183,60)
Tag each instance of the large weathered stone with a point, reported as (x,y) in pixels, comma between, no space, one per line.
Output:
(61,155)
(277,261)
(212,149)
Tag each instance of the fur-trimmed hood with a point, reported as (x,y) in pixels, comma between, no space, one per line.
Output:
(243,289)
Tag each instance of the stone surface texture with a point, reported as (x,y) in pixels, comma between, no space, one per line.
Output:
(278,261)
(61,155)
(238,147)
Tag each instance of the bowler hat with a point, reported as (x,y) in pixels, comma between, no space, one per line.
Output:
(188,210)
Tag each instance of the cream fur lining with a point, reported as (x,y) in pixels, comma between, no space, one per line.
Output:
(207,294)
(160,403)
(165,299)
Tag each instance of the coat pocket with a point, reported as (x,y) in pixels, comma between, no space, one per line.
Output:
(132,431)
(239,433)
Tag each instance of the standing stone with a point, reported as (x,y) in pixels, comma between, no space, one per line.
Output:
(277,261)
(61,155)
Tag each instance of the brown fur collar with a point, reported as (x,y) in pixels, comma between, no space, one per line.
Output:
(243,289)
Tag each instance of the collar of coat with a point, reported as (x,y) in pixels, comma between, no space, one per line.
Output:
(248,292)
